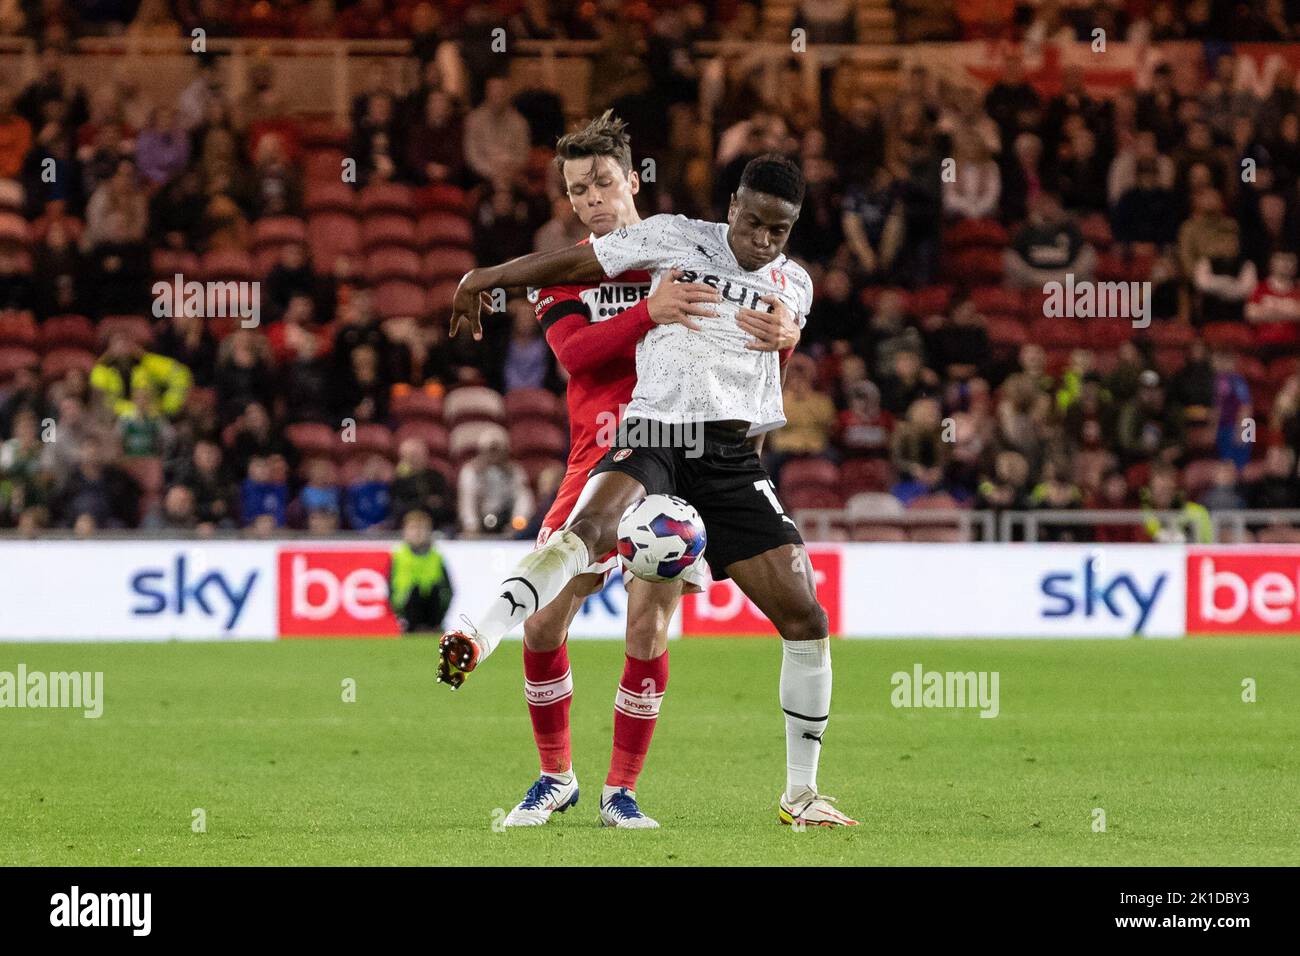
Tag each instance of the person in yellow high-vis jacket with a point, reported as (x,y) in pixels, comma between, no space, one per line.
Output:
(419,587)
(126,367)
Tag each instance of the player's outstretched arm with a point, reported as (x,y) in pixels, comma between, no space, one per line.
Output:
(571,264)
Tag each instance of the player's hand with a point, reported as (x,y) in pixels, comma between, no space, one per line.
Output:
(675,302)
(467,305)
(773,330)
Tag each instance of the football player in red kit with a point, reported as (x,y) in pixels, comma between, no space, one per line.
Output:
(593,329)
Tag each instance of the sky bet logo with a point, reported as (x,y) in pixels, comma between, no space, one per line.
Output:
(179,590)
(1094,593)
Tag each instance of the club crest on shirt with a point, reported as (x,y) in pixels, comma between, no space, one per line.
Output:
(778,278)
(622,453)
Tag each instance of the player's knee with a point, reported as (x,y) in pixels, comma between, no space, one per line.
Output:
(647,637)
(809,623)
(598,532)
(542,635)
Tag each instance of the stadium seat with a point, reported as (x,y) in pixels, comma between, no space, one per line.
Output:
(328,195)
(936,534)
(369,439)
(13,198)
(975,266)
(135,327)
(866,505)
(1280,369)
(13,358)
(532,403)
(438,300)
(397,299)
(167,263)
(866,475)
(1007,332)
(324,166)
(353,468)
(56,363)
(1096,230)
(18,329)
(392,262)
(1058,333)
(13,229)
(321,133)
(536,437)
(446,262)
(473,403)
(415,404)
(1278,534)
(1229,335)
(939,501)
(466,436)
(997,300)
(1171,333)
(441,198)
(312,439)
(388,229)
(278,231)
(931,300)
(1169,361)
(444,229)
(812,496)
(433,434)
(330,235)
(1137,475)
(380,198)
(967,233)
(226,265)
(67,331)
(320,465)
(799,473)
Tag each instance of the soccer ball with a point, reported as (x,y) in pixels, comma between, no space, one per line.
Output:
(660,537)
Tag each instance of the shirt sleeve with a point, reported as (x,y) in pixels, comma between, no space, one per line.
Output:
(580,344)
(647,245)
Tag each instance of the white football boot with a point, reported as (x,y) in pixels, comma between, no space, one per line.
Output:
(618,809)
(548,795)
(812,809)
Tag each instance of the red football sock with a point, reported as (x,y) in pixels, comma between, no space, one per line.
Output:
(548,688)
(636,710)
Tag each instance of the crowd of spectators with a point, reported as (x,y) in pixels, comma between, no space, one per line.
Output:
(929,371)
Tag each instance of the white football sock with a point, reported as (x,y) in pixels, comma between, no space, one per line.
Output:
(533,584)
(806,700)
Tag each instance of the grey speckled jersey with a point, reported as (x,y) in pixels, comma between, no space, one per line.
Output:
(685,376)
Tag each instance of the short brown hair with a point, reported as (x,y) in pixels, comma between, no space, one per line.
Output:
(604,136)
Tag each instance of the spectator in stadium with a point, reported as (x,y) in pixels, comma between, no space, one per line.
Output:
(1047,248)
(497,139)
(435,143)
(907,381)
(1023,177)
(493,494)
(212,491)
(57,268)
(810,417)
(1080,171)
(52,86)
(959,347)
(255,437)
(1123,174)
(1149,427)
(564,228)
(1146,213)
(162,149)
(261,102)
(319,493)
(97,490)
(188,340)
(144,432)
(1268,226)
(1224,493)
(528,357)
(919,453)
(15,136)
(244,373)
(1055,491)
(1023,418)
(364,390)
(1190,521)
(176,511)
(863,429)
(1012,101)
(305,383)
(417,486)
(1007,489)
(1274,307)
(1209,252)
(1277,487)
(419,588)
(1232,407)
(126,366)
(263,500)
(874,224)
(505,224)
(974,190)
(276,181)
(24,481)
(368,499)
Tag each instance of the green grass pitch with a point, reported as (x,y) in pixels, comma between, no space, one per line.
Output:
(1155,733)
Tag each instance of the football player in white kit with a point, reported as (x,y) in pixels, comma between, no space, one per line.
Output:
(709,376)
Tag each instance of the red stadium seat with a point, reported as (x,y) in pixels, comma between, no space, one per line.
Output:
(1280,369)
(473,403)
(18,329)
(278,231)
(997,300)
(929,301)
(536,437)
(1010,332)
(416,405)
(399,299)
(444,229)
(799,473)
(866,475)
(56,363)
(446,262)
(975,266)
(1229,335)
(312,439)
(433,434)
(438,301)
(389,229)
(321,133)
(167,263)
(392,262)
(226,265)
(1058,333)
(532,403)
(379,198)
(1096,230)
(810,496)
(967,233)
(13,358)
(67,331)
(441,198)
(369,439)
(329,195)
(467,436)
(324,166)
(1169,361)
(13,228)
(1171,333)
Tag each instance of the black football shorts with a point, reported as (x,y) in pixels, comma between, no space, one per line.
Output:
(720,474)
